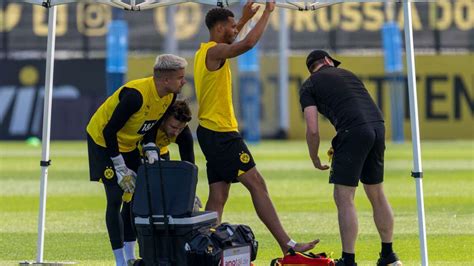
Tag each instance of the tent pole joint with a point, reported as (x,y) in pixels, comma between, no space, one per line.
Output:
(45,163)
(417,174)
(47,4)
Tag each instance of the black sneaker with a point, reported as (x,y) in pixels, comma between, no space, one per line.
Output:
(390,260)
(136,262)
(340,262)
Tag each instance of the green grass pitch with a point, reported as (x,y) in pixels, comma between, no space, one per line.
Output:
(75,227)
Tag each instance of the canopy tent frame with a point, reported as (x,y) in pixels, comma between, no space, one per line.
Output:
(305,5)
(46,133)
(148,4)
(417,172)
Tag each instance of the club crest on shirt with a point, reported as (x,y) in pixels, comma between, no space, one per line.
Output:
(244,157)
(109,172)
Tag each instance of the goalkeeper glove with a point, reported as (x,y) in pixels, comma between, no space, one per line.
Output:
(125,177)
(127,197)
(197,204)
(151,155)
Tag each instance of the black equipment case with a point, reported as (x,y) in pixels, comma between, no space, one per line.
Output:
(157,246)
(179,180)
(164,198)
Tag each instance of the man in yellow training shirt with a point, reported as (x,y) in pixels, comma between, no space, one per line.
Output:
(129,116)
(228,158)
(175,129)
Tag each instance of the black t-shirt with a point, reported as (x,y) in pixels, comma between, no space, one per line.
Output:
(340,96)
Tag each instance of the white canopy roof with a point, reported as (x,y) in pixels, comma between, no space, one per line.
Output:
(137,5)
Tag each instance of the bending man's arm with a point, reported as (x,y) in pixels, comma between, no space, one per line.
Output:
(130,102)
(186,146)
(312,135)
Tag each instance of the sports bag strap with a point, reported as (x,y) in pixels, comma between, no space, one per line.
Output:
(320,255)
(150,208)
(291,251)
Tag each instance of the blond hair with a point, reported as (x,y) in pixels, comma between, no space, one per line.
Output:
(168,62)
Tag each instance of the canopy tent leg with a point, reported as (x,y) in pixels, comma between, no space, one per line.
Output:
(283,46)
(45,162)
(415,132)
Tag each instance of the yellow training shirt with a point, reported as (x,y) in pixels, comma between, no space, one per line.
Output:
(152,109)
(162,141)
(214,93)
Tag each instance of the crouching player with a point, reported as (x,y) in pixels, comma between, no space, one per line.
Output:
(174,129)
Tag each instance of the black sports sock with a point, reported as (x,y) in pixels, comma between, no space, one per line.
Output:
(386,249)
(349,258)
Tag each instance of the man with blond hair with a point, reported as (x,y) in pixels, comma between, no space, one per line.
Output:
(131,115)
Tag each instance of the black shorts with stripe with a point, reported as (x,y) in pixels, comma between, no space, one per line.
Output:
(226,154)
(358,155)
(101,167)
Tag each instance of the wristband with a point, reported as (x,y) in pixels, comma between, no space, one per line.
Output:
(291,243)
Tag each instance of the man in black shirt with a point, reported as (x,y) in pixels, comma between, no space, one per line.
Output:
(359,147)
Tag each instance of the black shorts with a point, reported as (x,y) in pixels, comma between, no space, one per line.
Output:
(101,167)
(226,154)
(358,155)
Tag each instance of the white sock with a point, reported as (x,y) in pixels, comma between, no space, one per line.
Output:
(119,257)
(129,248)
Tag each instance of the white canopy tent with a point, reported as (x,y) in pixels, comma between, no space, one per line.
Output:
(137,5)
(307,5)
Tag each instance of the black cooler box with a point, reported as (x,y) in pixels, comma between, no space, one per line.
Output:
(156,247)
(179,184)
(170,184)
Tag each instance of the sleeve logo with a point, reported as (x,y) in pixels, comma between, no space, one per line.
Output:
(109,172)
(147,125)
(244,157)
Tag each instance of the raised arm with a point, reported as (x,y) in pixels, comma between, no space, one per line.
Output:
(248,11)
(186,145)
(222,51)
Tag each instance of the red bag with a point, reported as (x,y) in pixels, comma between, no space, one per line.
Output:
(293,258)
